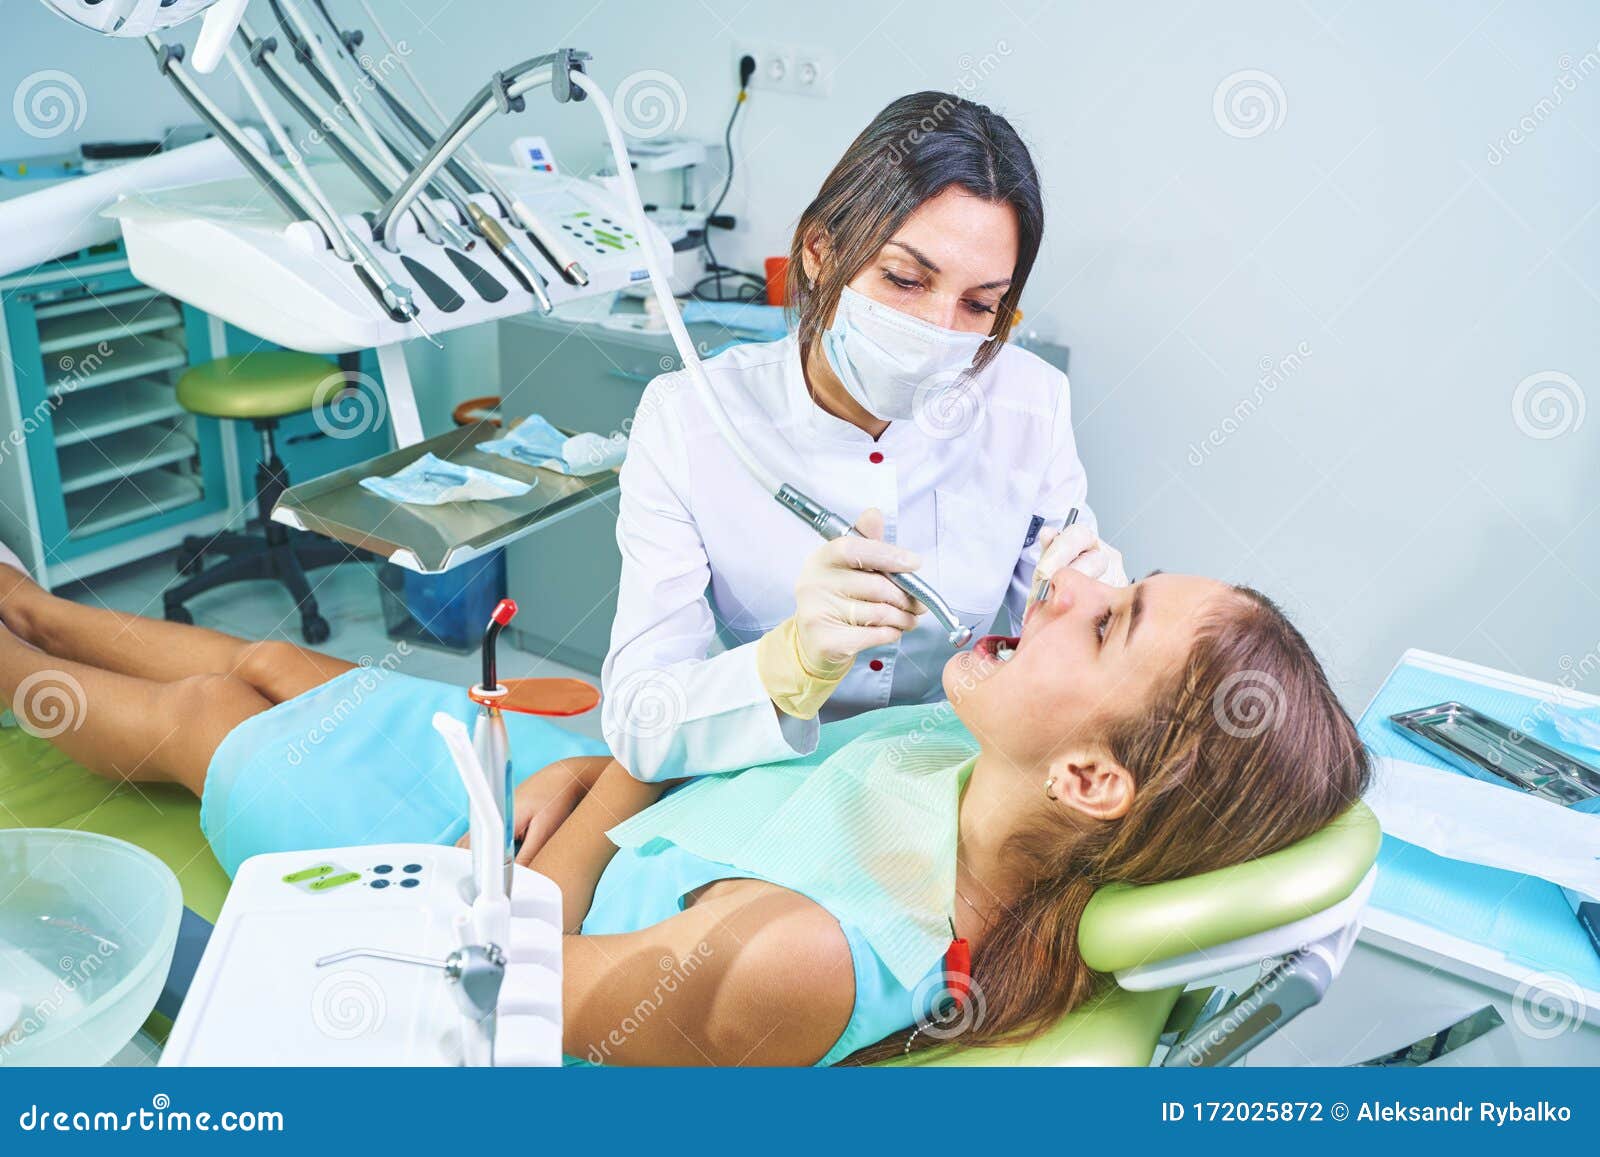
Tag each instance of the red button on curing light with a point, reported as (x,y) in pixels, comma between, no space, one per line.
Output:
(876,664)
(875,457)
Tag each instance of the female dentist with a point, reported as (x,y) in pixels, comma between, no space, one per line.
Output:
(899,395)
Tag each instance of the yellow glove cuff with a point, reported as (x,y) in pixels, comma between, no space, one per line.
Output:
(795,688)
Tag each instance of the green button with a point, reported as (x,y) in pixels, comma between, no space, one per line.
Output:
(336,881)
(307,874)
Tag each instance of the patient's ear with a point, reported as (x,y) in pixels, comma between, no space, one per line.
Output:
(1093,784)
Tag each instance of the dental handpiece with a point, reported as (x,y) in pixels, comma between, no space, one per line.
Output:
(831,526)
(500,241)
(1041,590)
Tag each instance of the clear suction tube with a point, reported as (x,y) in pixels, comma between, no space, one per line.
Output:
(826,523)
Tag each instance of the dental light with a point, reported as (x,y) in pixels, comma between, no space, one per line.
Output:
(142,17)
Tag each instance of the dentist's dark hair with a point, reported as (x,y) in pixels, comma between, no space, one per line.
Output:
(913,150)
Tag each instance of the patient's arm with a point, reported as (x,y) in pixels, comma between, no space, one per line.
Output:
(751,974)
(578,852)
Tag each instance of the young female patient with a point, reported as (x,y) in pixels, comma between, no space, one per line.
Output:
(1110,747)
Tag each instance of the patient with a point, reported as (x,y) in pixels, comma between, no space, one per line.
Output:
(1138,734)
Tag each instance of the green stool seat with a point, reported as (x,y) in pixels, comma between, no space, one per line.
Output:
(260,388)
(268,384)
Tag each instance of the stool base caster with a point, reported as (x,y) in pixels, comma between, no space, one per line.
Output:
(314,629)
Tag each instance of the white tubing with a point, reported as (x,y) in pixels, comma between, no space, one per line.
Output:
(331,225)
(658,283)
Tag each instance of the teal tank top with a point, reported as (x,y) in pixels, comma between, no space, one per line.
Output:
(865,827)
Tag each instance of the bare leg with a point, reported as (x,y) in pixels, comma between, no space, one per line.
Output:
(154,649)
(122,727)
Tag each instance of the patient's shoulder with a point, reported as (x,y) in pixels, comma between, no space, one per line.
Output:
(784,974)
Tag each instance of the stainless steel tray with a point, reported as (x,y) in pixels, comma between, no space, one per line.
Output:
(432,539)
(1488,749)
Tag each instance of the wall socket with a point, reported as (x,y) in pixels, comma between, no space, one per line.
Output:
(801,69)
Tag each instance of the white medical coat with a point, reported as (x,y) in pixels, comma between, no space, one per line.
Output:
(707,556)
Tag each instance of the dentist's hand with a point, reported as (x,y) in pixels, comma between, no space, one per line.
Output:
(844,604)
(1077,548)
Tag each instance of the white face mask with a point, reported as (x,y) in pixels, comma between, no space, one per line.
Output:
(883,356)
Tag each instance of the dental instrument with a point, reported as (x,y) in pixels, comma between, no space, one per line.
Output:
(1488,749)
(491,744)
(1042,589)
(466,166)
(314,59)
(284,188)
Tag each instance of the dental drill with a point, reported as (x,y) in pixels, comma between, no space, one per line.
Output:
(465,167)
(314,58)
(286,189)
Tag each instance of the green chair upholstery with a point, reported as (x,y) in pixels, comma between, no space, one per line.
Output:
(42,788)
(265,384)
(1126,926)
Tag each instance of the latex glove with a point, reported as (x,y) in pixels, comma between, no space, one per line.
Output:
(1078,548)
(844,604)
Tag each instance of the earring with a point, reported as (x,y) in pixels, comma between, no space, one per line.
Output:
(1050,787)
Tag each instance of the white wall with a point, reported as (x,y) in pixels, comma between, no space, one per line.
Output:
(1404,279)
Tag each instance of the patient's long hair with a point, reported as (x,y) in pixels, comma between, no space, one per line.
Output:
(1245,752)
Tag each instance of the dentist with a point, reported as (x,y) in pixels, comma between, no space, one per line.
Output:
(897,396)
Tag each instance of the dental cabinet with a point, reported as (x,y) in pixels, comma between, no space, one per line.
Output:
(583,374)
(99,465)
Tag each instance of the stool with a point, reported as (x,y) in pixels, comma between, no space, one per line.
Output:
(259,388)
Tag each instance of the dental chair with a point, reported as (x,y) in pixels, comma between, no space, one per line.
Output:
(1292,916)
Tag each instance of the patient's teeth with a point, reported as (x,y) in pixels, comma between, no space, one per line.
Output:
(1003,652)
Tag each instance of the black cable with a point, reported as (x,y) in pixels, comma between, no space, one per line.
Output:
(754,285)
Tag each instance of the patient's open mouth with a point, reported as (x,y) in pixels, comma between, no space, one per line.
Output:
(1000,648)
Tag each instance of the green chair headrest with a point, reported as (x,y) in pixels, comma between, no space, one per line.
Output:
(1125,925)
(264,384)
